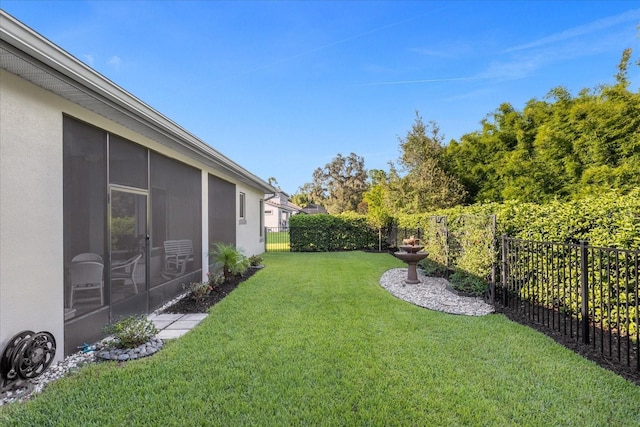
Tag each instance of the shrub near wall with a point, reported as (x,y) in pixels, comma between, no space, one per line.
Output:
(327,233)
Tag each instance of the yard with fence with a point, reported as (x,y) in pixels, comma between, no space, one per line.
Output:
(313,339)
(588,294)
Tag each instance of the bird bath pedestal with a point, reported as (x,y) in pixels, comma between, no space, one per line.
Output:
(411,255)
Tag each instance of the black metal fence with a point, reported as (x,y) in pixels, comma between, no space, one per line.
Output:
(588,293)
(277,239)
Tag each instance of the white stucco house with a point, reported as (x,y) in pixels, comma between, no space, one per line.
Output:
(278,209)
(106,206)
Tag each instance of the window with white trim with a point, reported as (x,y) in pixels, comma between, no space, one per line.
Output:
(261,214)
(243,208)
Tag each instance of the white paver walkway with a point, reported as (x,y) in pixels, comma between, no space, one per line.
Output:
(175,325)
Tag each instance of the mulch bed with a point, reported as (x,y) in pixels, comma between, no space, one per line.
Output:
(188,305)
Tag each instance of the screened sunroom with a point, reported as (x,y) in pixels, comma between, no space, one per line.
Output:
(107,206)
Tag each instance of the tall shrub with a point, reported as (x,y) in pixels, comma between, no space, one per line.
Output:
(325,233)
(608,220)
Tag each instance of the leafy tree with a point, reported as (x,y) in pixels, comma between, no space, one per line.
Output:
(339,185)
(426,184)
(375,199)
(272,181)
(561,147)
(477,160)
(301,199)
(377,211)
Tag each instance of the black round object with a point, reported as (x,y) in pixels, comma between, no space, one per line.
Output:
(36,355)
(8,361)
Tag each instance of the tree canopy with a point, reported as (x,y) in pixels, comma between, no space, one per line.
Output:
(339,185)
(426,184)
(562,147)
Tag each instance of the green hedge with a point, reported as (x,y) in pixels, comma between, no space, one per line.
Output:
(328,233)
(607,220)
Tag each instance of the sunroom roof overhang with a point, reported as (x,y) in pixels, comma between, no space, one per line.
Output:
(27,54)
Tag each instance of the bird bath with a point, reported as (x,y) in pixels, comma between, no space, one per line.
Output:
(410,252)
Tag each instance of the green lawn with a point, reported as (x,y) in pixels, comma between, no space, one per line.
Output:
(313,339)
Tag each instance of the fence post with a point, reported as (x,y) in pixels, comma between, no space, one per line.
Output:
(504,273)
(446,243)
(493,261)
(584,272)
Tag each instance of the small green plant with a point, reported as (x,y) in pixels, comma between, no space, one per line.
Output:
(215,279)
(255,260)
(131,332)
(231,260)
(467,282)
(433,268)
(197,290)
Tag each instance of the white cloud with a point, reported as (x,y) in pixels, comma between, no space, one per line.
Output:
(440,80)
(517,68)
(582,30)
(432,52)
(519,64)
(115,62)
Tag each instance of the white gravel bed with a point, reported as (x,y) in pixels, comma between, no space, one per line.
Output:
(70,363)
(432,293)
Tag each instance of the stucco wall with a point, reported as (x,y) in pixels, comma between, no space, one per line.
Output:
(272,220)
(31,207)
(247,232)
(31,259)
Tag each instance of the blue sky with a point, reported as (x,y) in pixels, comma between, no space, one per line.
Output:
(282,87)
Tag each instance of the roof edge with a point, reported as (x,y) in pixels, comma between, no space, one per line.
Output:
(25,39)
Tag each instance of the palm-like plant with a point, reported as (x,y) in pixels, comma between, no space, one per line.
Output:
(229,259)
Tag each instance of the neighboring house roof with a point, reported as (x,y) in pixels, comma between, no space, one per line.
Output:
(34,58)
(278,194)
(312,209)
(287,206)
(281,200)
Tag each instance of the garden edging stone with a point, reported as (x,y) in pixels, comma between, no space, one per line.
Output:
(143,350)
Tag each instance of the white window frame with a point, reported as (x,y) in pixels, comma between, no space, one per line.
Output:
(242,208)
(261,222)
